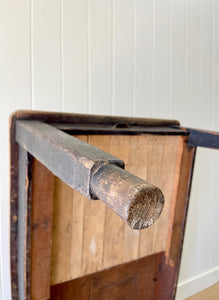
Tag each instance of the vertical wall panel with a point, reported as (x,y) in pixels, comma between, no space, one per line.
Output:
(177,93)
(123,57)
(75,55)
(215,123)
(192,62)
(46,54)
(205,117)
(15,93)
(203,209)
(215,64)
(192,100)
(143,38)
(161,58)
(198,67)
(214,222)
(206,64)
(100,57)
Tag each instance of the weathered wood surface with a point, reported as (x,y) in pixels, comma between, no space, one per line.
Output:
(125,128)
(59,119)
(203,138)
(137,202)
(69,118)
(13,208)
(41,231)
(68,158)
(133,280)
(92,172)
(24,224)
(128,243)
(159,279)
(169,268)
(97,238)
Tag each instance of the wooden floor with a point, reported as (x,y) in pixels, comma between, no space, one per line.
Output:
(211,293)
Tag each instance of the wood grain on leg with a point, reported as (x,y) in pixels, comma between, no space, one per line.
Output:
(41,239)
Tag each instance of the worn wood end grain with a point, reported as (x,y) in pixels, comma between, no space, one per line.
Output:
(136,201)
(145,207)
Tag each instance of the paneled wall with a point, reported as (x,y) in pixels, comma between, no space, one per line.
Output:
(151,58)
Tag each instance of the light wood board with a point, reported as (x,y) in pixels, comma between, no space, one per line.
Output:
(87,236)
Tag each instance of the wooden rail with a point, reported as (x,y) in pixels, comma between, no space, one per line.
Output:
(92,172)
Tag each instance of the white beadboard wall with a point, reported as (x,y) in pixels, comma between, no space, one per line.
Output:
(150,58)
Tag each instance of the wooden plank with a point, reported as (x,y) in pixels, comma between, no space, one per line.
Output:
(77,232)
(24,200)
(13,209)
(93,236)
(61,232)
(133,280)
(132,149)
(68,158)
(183,193)
(78,202)
(94,220)
(168,179)
(154,146)
(167,277)
(114,226)
(41,238)
(203,138)
(69,118)
(120,129)
(29,226)
(99,239)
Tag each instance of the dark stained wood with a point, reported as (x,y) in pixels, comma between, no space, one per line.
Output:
(133,280)
(13,208)
(114,130)
(166,281)
(203,138)
(28,228)
(24,234)
(68,118)
(183,193)
(169,268)
(136,201)
(41,241)
(69,158)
